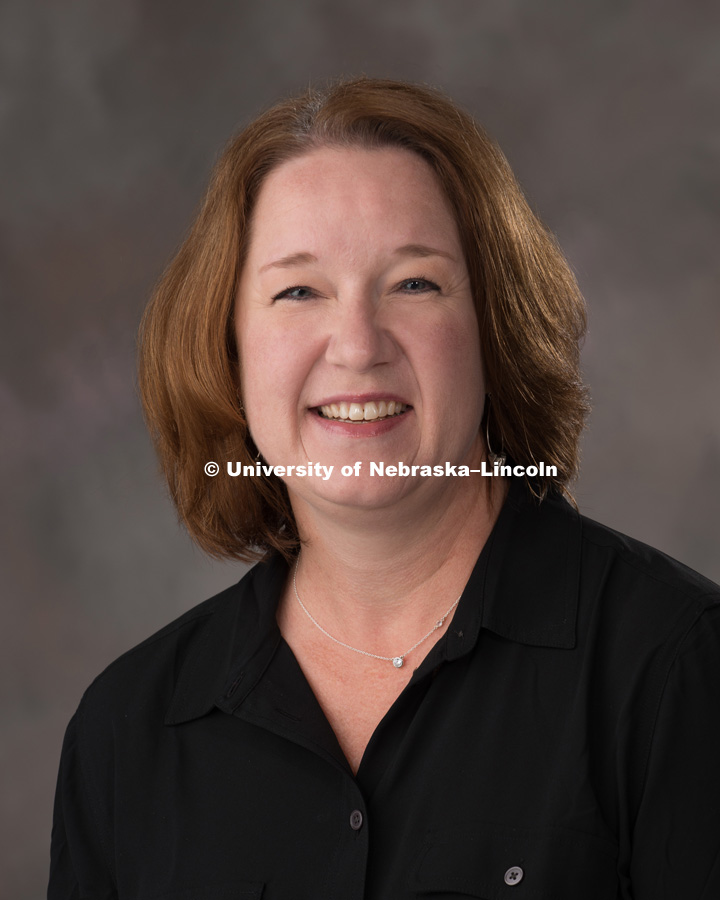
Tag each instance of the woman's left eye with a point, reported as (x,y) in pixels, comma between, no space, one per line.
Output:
(417,286)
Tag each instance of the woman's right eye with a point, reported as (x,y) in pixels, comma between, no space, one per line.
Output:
(299,292)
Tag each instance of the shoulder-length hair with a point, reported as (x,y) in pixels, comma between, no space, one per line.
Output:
(530,313)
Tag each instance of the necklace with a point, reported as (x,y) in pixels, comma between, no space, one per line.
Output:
(397,661)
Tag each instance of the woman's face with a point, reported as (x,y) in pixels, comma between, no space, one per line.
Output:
(355,297)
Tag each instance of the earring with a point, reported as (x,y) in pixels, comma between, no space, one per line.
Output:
(496,459)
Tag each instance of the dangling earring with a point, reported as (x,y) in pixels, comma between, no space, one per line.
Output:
(495,459)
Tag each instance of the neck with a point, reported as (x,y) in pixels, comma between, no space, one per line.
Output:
(378,576)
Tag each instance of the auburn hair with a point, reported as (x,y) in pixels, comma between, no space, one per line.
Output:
(530,313)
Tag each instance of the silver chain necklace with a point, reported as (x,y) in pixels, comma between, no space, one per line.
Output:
(397,661)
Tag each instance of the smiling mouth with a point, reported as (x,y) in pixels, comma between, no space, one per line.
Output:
(372,411)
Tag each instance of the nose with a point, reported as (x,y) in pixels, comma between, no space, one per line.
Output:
(358,338)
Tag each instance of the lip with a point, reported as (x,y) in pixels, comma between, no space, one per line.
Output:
(359,398)
(370,429)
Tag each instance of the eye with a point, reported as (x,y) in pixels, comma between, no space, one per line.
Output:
(417,286)
(299,292)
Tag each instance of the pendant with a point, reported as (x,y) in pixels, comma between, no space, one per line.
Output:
(398,662)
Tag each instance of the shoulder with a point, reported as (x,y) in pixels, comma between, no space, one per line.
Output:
(144,678)
(644,581)
(647,621)
(563,580)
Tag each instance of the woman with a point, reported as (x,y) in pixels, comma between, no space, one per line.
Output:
(437,682)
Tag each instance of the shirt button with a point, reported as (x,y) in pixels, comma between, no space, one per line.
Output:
(356,819)
(514,875)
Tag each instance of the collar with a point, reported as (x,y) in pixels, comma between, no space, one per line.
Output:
(524,588)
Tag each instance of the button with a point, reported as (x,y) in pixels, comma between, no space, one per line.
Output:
(356,820)
(514,875)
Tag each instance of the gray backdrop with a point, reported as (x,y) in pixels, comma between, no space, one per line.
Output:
(111,116)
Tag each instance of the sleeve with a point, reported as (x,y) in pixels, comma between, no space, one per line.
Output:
(79,858)
(676,840)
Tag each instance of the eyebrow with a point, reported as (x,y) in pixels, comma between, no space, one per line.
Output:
(303,259)
(421,250)
(287,262)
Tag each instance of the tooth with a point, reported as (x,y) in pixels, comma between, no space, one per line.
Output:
(359,412)
(370,411)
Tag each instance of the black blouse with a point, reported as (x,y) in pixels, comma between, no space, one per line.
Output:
(561,740)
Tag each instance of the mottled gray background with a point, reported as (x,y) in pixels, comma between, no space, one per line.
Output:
(111,116)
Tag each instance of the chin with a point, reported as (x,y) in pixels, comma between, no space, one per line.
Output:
(365,493)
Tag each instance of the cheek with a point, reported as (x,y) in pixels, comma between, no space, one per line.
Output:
(450,350)
(261,371)
(465,344)
(274,362)
(258,360)
(452,383)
